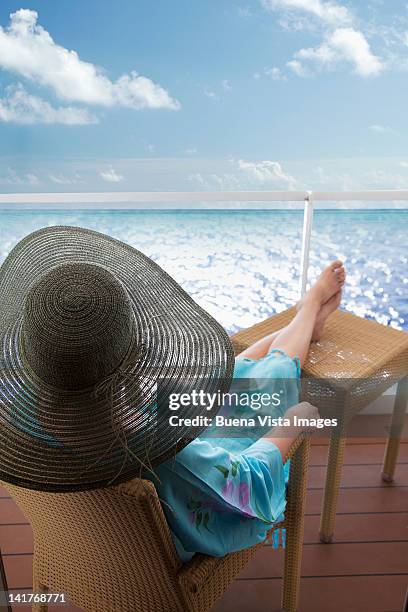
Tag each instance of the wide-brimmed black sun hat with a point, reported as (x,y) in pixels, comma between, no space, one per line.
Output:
(94,336)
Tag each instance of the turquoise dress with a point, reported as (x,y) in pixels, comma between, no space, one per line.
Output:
(223,494)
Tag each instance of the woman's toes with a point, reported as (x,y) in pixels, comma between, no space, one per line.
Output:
(328,283)
(335,265)
(340,274)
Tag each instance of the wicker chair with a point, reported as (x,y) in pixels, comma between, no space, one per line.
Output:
(111,549)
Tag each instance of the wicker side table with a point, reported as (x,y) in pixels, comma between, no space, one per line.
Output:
(353,364)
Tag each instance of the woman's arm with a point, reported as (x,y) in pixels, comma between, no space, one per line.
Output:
(284,436)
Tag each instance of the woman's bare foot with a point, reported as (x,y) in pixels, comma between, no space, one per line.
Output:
(325,310)
(327,285)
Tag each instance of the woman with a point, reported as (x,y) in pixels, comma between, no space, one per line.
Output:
(224,494)
(93,337)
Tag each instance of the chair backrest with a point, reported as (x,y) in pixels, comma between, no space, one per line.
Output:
(108,549)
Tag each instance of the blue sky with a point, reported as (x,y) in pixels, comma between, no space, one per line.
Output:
(210,94)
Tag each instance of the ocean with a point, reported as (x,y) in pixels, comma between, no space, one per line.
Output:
(243,265)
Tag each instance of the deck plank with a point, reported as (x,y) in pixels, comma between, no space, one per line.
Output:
(334,560)
(362,528)
(354,594)
(358,454)
(19,571)
(10,513)
(357,476)
(382,499)
(16,539)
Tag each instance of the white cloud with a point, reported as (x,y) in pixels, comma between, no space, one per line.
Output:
(28,50)
(320,177)
(111,176)
(275,74)
(265,172)
(246,175)
(18,106)
(191,151)
(13,178)
(61,179)
(244,11)
(298,68)
(32,179)
(381,129)
(342,45)
(342,42)
(383,179)
(331,13)
(404,164)
(210,94)
(215,94)
(197,178)
(226,181)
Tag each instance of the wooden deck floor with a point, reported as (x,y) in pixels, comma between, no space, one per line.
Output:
(364,570)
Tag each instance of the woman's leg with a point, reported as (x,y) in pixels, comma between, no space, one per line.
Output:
(261,347)
(294,339)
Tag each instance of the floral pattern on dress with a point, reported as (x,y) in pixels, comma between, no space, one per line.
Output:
(199,514)
(238,493)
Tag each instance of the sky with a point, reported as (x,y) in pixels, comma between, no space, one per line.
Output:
(203,95)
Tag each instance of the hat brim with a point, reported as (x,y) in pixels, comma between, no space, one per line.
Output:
(65,441)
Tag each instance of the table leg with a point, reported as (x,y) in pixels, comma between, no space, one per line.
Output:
(331,490)
(394,438)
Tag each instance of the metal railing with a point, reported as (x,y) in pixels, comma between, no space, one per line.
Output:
(119,199)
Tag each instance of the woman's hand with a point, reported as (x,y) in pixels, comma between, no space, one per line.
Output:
(284,436)
(302,411)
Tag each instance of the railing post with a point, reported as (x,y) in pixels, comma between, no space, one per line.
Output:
(307,231)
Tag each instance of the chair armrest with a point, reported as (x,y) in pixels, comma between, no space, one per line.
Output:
(137,487)
(145,496)
(202,569)
(194,574)
(296,444)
